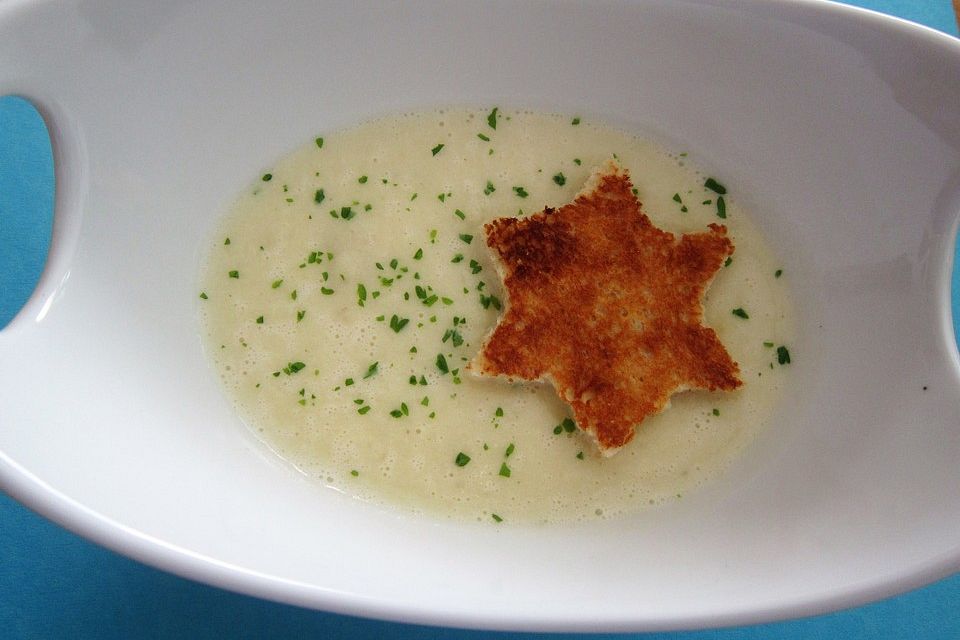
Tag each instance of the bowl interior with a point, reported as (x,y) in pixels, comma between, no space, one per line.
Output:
(830,121)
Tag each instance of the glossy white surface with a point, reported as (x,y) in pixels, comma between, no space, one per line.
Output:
(838,127)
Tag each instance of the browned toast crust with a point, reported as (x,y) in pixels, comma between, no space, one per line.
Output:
(607,307)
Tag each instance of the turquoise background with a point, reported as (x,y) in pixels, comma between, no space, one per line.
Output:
(54,584)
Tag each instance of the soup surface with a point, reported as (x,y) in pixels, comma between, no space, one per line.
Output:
(350,284)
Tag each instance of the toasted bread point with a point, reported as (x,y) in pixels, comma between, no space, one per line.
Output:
(606,307)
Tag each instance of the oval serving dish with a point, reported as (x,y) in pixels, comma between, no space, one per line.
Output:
(833,123)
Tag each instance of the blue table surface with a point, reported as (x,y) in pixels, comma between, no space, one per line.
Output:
(54,584)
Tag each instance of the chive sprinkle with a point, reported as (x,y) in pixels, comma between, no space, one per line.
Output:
(740,313)
(492,118)
(489,188)
(483,137)
(778,273)
(466,237)
(521,192)
(436,149)
(560,179)
(397,323)
(783,356)
(462,459)
(276,283)
(721,207)
(509,451)
(371,370)
(460,214)
(234,274)
(267,177)
(442,364)
(575,121)
(715,186)
(319,142)
(203,295)
(362,179)
(504,470)
(496,518)
(418,254)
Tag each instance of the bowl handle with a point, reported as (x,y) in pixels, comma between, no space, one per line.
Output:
(70,188)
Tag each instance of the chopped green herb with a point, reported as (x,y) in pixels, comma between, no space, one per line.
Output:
(496,518)
(504,470)
(442,364)
(483,137)
(226,241)
(721,207)
(568,425)
(560,179)
(466,237)
(575,121)
(457,258)
(783,356)
(397,323)
(462,459)
(577,161)
(319,142)
(371,370)
(354,473)
(487,301)
(520,191)
(715,186)
(267,177)
(768,345)
(716,412)
(348,382)
(492,118)
(489,188)
(361,294)
(580,456)
(234,274)
(300,315)
(509,451)
(362,179)
(347,213)
(326,291)
(499,412)
(778,273)
(203,295)
(740,313)
(418,254)
(364,409)
(475,267)
(293,367)
(676,197)
(436,149)
(727,262)
(431,300)
(293,294)
(396,413)
(276,283)
(460,214)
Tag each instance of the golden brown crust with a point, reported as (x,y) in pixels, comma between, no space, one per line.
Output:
(607,307)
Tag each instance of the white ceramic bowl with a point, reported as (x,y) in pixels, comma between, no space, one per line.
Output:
(841,127)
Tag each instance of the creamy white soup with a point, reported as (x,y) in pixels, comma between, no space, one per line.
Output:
(350,284)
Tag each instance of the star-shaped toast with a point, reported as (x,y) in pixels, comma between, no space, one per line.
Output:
(607,307)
